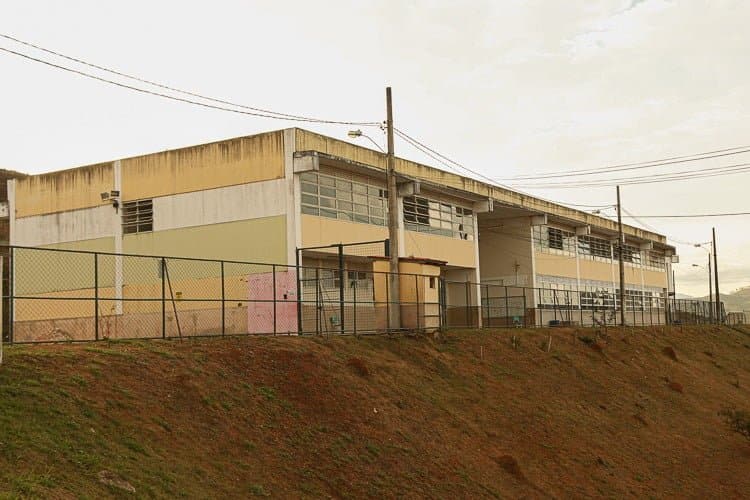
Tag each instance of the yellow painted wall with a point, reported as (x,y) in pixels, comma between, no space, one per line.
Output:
(317,231)
(40,271)
(226,163)
(556,265)
(257,240)
(430,246)
(595,270)
(64,190)
(655,278)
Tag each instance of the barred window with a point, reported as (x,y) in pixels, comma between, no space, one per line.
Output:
(329,196)
(629,254)
(595,248)
(137,216)
(553,240)
(655,260)
(435,217)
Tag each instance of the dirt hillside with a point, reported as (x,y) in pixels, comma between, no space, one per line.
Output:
(505,413)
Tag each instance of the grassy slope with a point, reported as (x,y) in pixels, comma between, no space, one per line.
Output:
(466,416)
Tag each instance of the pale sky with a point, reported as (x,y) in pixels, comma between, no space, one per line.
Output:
(507,88)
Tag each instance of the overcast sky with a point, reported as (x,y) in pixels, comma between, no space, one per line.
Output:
(507,88)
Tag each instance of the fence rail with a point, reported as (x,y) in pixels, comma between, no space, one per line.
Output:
(66,295)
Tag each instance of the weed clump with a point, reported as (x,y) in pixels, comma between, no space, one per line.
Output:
(737,420)
(358,366)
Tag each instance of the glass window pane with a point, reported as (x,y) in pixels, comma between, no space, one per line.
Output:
(328,203)
(327,181)
(309,199)
(310,210)
(330,192)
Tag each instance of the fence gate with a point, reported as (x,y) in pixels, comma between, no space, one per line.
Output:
(338,294)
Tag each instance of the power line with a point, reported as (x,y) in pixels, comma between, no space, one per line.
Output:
(414,142)
(637,166)
(248,109)
(687,216)
(415,145)
(665,177)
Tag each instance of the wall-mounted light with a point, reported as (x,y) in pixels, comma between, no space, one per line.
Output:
(105,196)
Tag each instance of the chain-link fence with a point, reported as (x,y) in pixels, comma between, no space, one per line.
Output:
(513,306)
(64,295)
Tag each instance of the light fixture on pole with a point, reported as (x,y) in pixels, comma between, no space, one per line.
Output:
(354,134)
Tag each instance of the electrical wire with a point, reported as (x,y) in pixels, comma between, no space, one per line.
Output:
(637,166)
(686,216)
(433,153)
(656,178)
(245,110)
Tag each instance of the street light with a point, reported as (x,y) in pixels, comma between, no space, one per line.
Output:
(354,134)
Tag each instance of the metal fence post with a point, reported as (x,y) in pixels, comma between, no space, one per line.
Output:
(416,291)
(273,277)
(299,293)
(468,299)
(387,301)
(163,299)
(11,293)
(223,301)
(96,296)
(507,309)
(354,299)
(341,287)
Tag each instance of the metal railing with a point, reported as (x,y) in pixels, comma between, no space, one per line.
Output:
(65,295)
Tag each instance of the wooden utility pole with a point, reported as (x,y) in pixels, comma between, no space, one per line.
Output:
(394,320)
(712,311)
(621,245)
(716,280)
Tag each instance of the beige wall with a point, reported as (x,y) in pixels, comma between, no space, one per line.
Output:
(595,270)
(64,190)
(431,246)
(226,163)
(318,231)
(501,250)
(556,265)
(255,240)
(655,278)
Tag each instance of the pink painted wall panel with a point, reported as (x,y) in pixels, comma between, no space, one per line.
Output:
(260,317)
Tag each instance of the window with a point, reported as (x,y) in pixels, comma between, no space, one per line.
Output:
(554,240)
(655,260)
(329,196)
(594,248)
(432,282)
(430,216)
(137,216)
(630,254)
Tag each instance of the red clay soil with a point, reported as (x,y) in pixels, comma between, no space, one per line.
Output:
(466,415)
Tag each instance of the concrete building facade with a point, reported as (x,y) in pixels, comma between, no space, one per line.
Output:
(260,198)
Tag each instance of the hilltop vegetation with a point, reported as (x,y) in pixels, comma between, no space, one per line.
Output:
(622,413)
